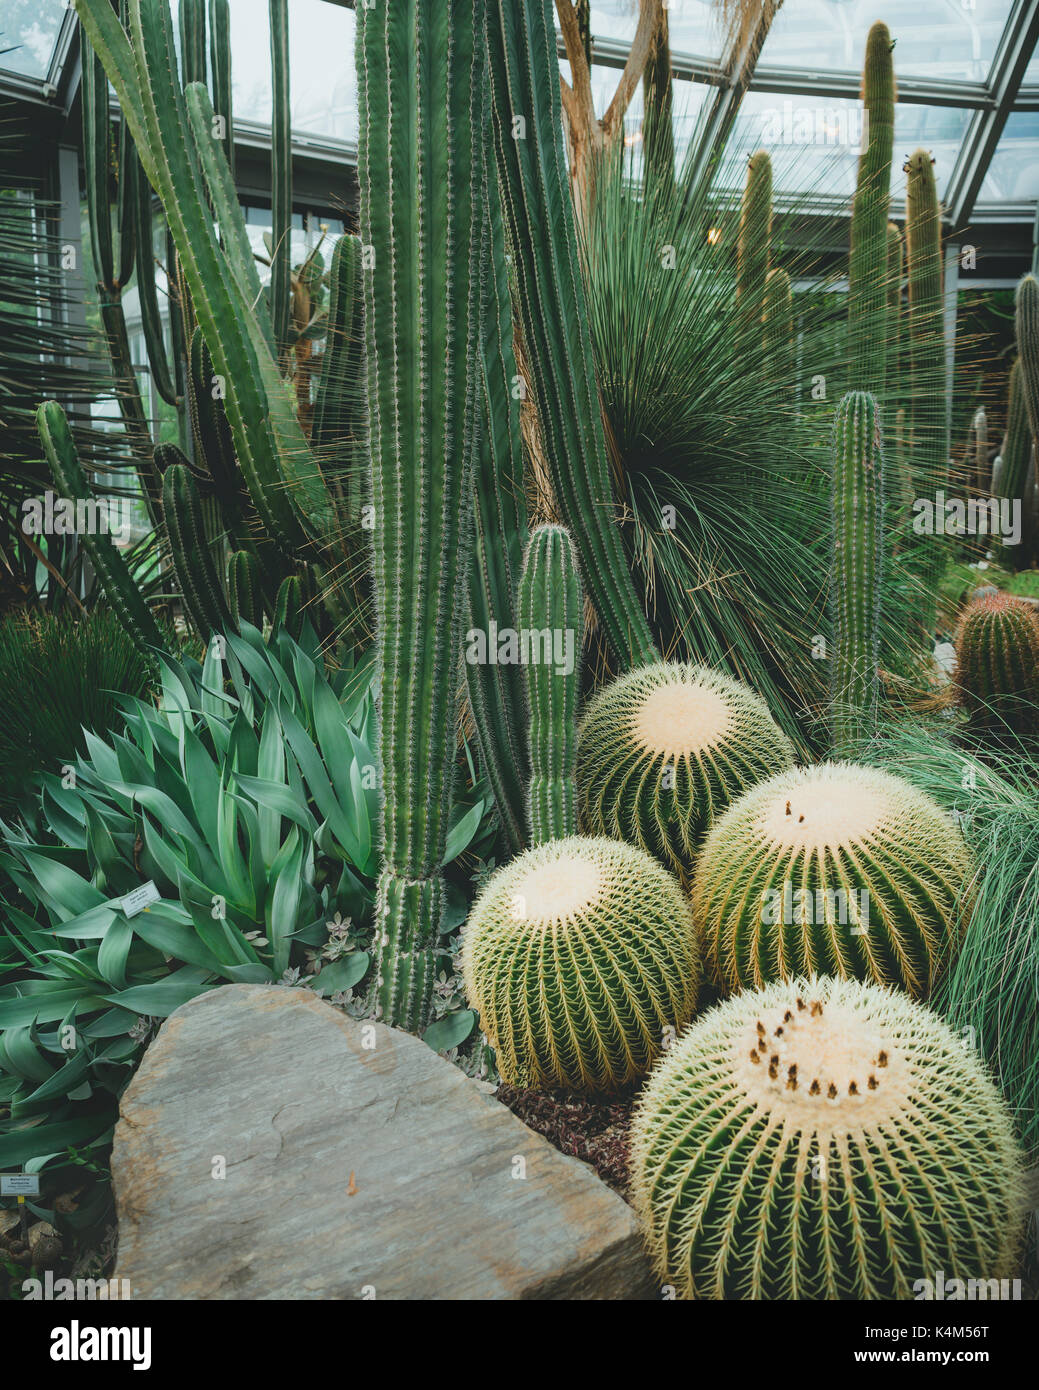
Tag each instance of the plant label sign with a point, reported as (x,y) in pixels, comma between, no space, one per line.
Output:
(19,1185)
(140,899)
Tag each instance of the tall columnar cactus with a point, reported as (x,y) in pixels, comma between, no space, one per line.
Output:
(833,869)
(539,217)
(174,135)
(497,695)
(339,404)
(858,568)
(868,263)
(997,663)
(70,480)
(220,66)
(578,956)
(192,18)
(755,237)
(420,176)
(244,589)
(1026,324)
(825,1139)
(930,435)
(281,173)
(981,473)
(663,750)
(197,575)
(779,326)
(551,610)
(288,606)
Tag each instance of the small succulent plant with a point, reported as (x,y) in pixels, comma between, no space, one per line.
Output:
(824,1139)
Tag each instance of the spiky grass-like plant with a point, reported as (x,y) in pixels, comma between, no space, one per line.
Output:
(834,869)
(578,956)
(990,988)
(663,750)
(997,663)
(59,676)
(824,1139)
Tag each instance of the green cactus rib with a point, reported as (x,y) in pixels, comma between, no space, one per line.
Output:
(220,70)
(151,319)
(532,169)
(663,750)
(1016,472)
(868,262)
(834,869)
(281,174)
(997,657)
(930,438)
(496,690)
(551,605)
(269,441)
(196,572)
(244,590)
(825,1139)
(754,239)
(858,568)
(70,480)
(214,446)
(420,79)
(339,404)
(192,17)
(579,955)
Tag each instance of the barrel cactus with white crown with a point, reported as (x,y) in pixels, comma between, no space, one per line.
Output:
(834,869)
(663,750)
(579,956)
(825,1139)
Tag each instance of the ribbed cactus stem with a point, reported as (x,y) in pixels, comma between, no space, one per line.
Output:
(980,461)
(779,325)
(244,590)
(868,264)
(338,424)
(930,437)
(70,480)
(281,173)
(997,658)
(220,65)
(555,320)
(755,236)
(551,612)
(858,541)
(288,606)
(420,81)
(1026,323)
(197,576)
(192,17)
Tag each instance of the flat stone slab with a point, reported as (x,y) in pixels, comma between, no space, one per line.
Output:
(270,1146)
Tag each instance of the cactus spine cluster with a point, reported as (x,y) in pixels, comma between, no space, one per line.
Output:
(868,265)
(663,750)
(578,956)
(858,539)
(551,605)
(824,1139)
(539,219)
(420,173)
(997,656)
(834,869)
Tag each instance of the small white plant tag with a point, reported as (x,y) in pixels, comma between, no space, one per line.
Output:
(140,899)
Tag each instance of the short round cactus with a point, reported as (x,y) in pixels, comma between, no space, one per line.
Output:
(663,750)
(579,955)
(997,656)
(837,870)
(824,1139)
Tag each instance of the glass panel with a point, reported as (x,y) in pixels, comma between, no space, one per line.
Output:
(688,99)
(950,39)
(694,24)
(815,144)
(28,32)
(1014,171)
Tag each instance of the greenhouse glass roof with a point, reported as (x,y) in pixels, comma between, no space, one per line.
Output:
(968,86)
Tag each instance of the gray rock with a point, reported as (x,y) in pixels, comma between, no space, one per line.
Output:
(272,1147)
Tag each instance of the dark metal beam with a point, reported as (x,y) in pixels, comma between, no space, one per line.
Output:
(979,145)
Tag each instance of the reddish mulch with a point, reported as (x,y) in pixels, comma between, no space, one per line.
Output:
(595,1130)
